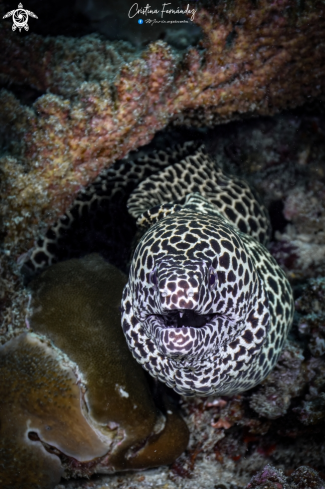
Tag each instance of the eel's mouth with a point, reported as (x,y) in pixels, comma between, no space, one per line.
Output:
(184,318)
(182,332)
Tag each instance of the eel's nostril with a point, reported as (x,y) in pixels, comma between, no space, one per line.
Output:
(189,292)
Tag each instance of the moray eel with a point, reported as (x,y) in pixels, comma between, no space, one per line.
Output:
(206,309)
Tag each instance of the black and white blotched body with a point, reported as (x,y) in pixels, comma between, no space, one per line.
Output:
(206,309)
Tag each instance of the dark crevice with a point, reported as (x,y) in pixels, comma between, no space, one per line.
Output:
(33,436)
(278,221)
(230,39)
(24,93)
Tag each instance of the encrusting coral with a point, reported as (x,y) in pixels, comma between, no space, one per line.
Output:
(257,59)
(311,309)
(78,401)
(271,478)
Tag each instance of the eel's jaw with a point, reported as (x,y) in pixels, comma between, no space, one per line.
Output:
(180,318)
(182,333)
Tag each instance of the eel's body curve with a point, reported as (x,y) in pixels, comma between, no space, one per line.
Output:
(206,309)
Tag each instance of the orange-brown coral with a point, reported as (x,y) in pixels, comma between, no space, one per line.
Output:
(256,59)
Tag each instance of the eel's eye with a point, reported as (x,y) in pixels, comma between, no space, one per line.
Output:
(153,278)
(212,279)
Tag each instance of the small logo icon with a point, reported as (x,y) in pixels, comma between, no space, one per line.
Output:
(20,18)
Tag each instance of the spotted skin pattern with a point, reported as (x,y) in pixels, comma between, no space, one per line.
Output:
(231,196)
(206,309)
(96,213)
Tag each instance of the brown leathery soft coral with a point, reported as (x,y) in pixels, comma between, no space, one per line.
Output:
(76,305)
(74,401)
(40,407)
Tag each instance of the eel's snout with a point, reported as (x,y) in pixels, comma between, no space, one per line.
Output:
(178,284)
(179,295)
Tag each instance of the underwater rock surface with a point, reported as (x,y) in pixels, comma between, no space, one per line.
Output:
(75,401)
(255,59)
(311,308)
(302,478)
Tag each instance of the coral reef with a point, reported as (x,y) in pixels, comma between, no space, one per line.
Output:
(281,421)
(271,478)
(311,309)
(257,59)
(78,401)
(283,157)
(72,107)
(230,441)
